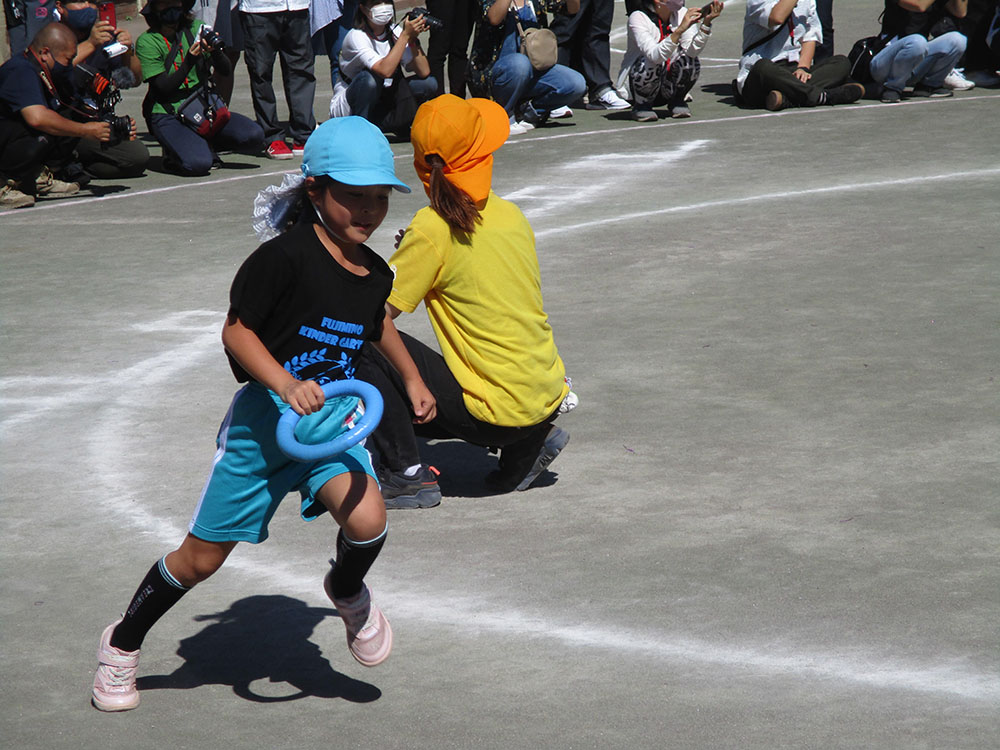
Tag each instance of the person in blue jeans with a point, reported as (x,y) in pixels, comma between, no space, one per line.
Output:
(922,45)
(499,71)
(330,21)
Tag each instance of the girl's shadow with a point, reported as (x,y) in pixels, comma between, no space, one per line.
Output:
(263,637)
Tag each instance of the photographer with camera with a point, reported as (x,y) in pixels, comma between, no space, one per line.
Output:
(371,83)
(35,87)
(499,69)
(108,52)
(184,113)
(661,64)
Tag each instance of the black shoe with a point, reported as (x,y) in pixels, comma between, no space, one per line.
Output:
(937,92)
(845,94)
(891,96)
(515,473)
(419,491)
(775,101)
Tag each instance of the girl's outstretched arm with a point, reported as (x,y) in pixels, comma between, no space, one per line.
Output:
(304,396)
(393,349)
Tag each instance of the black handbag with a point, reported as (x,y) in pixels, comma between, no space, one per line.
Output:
(861,56)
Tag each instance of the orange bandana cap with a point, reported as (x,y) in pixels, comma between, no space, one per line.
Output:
(463,132)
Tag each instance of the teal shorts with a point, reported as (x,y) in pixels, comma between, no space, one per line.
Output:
(250,476)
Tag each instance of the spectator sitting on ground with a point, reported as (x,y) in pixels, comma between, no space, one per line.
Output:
(176,62)
(922,45)
(371,83)
(661,64)
(33,135)
(500,72)
(777,68)
(108,51)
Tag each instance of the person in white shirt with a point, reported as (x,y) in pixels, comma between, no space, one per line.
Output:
(271,28)
(661,63)
(370,83)
(777,69)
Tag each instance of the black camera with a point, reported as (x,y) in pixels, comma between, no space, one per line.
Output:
(553,6)
(433,22)
(97,97)
(211,38)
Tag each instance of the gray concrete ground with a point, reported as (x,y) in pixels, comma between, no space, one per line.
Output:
(775,524)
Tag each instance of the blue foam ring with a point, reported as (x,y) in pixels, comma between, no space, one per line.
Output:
(291,447)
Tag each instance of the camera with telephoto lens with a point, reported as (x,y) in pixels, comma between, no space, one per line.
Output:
(433,22)
(97,97)
(211,38)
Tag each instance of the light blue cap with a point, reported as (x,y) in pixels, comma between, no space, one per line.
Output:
(353,151)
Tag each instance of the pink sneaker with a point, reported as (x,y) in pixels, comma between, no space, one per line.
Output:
(114,683)
(368,633)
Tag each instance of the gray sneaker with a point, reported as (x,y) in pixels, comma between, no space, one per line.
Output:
(555,441)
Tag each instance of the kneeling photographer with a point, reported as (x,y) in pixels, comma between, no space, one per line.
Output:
(104,52)
(371,83)
(36,139)
(185,114)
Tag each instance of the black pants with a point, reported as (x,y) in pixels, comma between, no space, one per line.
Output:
(584,41)
(395,438)
(23,152)
(766,76)
(451,41)
(121,161)
(284,34)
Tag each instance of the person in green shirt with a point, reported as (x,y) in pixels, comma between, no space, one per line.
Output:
(177,60)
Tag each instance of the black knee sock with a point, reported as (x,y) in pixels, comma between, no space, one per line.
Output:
(157,593)
(352,563)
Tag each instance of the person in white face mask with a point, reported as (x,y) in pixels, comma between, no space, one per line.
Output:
(373,57)
(661,64)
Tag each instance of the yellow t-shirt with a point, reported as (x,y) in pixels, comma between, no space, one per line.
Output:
(484,300)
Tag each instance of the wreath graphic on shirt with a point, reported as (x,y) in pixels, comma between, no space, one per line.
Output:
(317,357)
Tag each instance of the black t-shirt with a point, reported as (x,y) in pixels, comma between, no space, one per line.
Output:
(900,22)
(21,86)
(311,313)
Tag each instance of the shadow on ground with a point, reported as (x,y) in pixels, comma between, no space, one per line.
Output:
(464,468)
(264,638)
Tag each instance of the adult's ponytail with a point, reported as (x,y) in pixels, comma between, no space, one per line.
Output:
(452,204)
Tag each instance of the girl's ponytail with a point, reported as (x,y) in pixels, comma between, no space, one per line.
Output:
(452,204)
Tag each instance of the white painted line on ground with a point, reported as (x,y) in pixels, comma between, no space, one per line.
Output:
(783,195)
(630,129)
(113,435)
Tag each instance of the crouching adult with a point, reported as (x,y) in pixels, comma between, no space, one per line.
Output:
(183,111)
(500,71)
(661,64)
(370,82)
(34,136)
(777,69)
(107,50)
(922,45)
